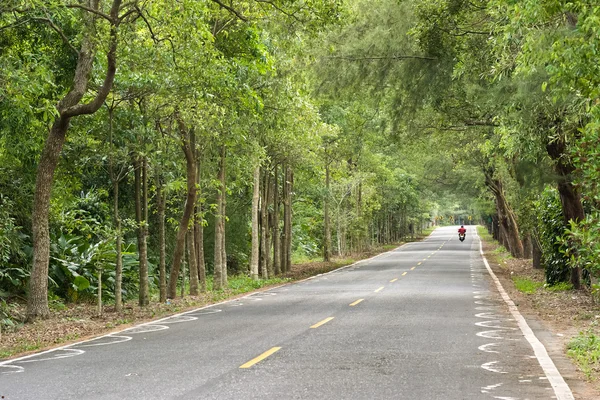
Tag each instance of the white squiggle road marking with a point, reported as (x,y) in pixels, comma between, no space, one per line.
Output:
(506,398)
(488,315)
(18,369)
(490,335)
(74,352)
(560,387)
(490,367)
(179,319)
(485,324)
(484,347)
(146,329)
(486,389)
(206,312)
(123,339)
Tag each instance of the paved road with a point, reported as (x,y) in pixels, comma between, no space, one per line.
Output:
(424,321)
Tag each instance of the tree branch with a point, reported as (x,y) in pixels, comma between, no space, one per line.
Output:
(231,10)
(57,30)
(93,11)
(111,69)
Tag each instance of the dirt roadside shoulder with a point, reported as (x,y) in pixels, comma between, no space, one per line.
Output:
(555,316)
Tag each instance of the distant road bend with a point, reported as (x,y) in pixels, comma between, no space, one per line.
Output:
(425,321)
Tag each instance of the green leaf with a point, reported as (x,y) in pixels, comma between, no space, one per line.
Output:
(80,283)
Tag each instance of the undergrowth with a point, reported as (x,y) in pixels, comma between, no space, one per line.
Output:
(585,350)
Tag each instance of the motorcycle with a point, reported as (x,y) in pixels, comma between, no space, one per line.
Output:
(461,236)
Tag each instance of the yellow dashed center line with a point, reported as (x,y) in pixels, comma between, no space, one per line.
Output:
(356,302)
(261,357)
(393,280)
(380,289)
(404,273)
(413,268)
(419,263)
(318,324)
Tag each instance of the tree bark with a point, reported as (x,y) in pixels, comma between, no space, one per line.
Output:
(276,237)
(218,281)
(191,245)
(224,280)
(118,246)
(199,235)
(537,253)
(264,221)
(115,179)
(162,256)
(326,217)
(255,237)
(68,107)
(141,231)
(37,300)
(509,227)
(570,197)
(288,219)
(188,147)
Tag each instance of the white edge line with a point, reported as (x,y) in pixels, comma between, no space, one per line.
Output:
(561,388)
(6,362)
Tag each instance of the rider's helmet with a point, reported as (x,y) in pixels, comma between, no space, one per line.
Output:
(462,226)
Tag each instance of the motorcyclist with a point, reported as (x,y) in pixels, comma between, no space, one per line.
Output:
(462,230)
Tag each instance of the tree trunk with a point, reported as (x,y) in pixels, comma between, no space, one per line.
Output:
(570,197)
(219,226)
(100,292)
(199,235)
(255,237)
(199,230)
(268,227)
(117,220)
(144,293)
(224,280)
(537,253)
(326,217)
(264,249)
(276,237)
(509,227)
(141,232)
(188,146)
(192,263)
(68,107)
(288,219)
(118,245)
(162,256)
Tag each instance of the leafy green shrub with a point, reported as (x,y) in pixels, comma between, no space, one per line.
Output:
(551,228)
(8,321)
(13,258)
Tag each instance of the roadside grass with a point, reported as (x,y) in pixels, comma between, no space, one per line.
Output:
(559,287)
(499,255)
(483,233)
(526,285)
(585,350)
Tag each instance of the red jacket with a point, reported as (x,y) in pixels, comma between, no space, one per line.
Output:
(462,230)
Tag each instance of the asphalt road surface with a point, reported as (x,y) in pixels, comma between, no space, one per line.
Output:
(425,321)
